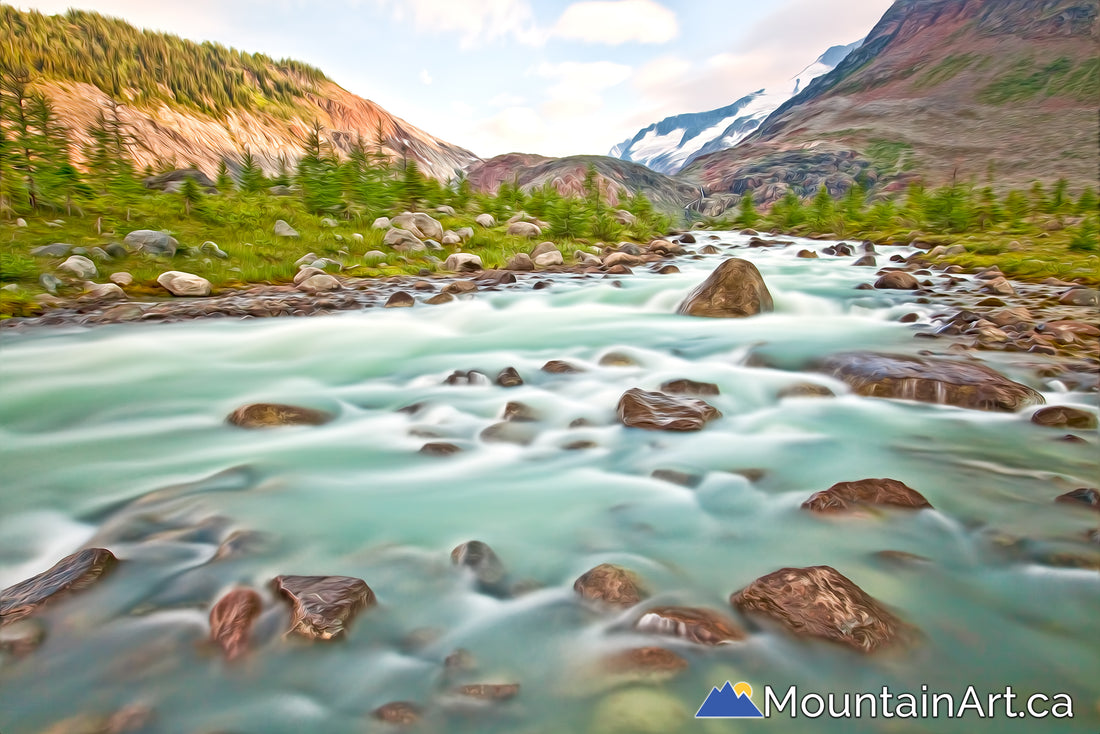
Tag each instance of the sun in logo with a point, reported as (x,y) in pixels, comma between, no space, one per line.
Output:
(743,689)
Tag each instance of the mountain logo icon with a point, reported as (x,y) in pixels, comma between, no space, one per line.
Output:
(729,702)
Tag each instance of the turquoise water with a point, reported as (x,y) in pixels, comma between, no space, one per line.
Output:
(91,420)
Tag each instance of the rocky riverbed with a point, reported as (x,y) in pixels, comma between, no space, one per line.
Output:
(556,502)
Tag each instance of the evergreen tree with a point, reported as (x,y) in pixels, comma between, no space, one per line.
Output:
(746,212)
(191,194)
(1086,203)
(413,187)
(251,175)
(1016,208)
(1059,197)
(822,209)
(854,202)
(567,218)
(788,212)
(1038,198)
(223,182)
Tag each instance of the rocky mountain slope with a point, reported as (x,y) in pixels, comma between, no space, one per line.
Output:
(940,90)
(199,103)
(617,177)
(669,145)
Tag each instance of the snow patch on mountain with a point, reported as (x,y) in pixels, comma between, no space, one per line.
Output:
(669,145)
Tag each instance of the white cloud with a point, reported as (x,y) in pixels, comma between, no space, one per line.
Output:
(507,100)
(617,21)
(425,77)
(515,128)
(578,86)
(475,21)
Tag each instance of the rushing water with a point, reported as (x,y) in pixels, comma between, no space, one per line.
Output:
(92,419)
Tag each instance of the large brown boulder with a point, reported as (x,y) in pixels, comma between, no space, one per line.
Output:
(323,606)
(897,280)
(231,621)
(844,496)
(1063,416)
(72,573)
(656,411)
(734,289)
(610,584)
(267,415)
(821,602)
(696,624)
(930,380)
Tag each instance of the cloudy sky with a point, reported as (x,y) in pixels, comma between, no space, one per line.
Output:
(536,76)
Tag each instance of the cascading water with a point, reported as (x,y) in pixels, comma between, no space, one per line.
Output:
(94,419)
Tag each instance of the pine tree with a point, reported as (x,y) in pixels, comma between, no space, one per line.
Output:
(567,218)
(224,182)
(1059,197)
(822,209)
(746,212)
(251,175)
(1086,202)
(1016,208)
(191,194)
(412,184)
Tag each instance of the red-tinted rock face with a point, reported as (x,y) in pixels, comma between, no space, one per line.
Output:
(231,621)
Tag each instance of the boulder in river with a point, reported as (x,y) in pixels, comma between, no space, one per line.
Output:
(820,602)
(930,380)
(231,621)
(267,415)
(509,377)
(656,411)
(320,283)
(897,280)
(400,299)
(399,713)
(521,261)
(1082,497)
(482,560)
(560,367)
(610,584)
(323,606)
(844,496)
(1064,416)
(684,386)
(72,573)
(734,289)
(695,624)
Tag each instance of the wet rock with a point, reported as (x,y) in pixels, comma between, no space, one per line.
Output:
(400,299)
(867,261)
(521,261)
(999,287)
(897,280)
(820,602)
(282,229)
(509,377)
(735,289)
(267,415)
(439,448)
(508,432)
(559,367)
(807,254)
(399,713)
(617,359)
(1063,416)
(489,691)
(71,574)
(645,660)
(695,624)
(472,377)
(323,606)
(683,479)
(689,387)
(242,543)
(483,561)
(22,637)
(844,496)
(460,286)
(805,390)
(179,283)
(1082,497)
(668,270)
(709,250)
(1080,297)
(622,258)
(654,411)
(462,262)
(610,584)
(439,298)
(930,380)
(519,412)
(231,621)
(639,710)
(909,318)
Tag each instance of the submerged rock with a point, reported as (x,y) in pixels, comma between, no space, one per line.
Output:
(71,574)
(267,415)
(930,380)
(689,387)
(695,624)
(482,560)
(21,638)
(656,411)
(734,289)
(1063,416)
(820,602)
(489,691)
(231,621)
(610,584)
(844,496)
(1082,497)
(399,713)
(645,660)
(560,367)
(323,606)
